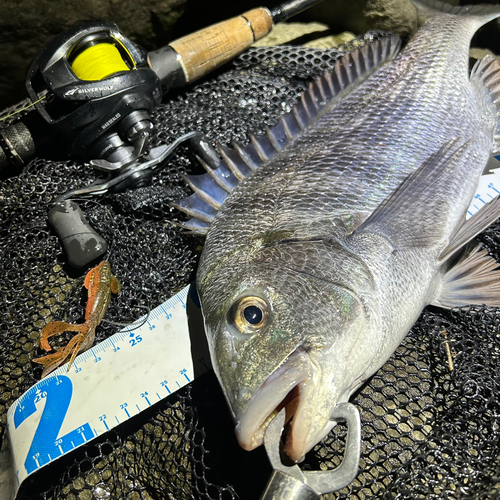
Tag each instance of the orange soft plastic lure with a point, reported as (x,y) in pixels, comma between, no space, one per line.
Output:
(100,283)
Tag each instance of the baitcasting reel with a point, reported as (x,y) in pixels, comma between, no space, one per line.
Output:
(96,91)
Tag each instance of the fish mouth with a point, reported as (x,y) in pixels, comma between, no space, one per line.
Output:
(287,387)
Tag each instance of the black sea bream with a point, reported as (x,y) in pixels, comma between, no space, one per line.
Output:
(327,237)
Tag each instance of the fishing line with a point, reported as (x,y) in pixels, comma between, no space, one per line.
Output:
(128,325)
(25,108)
(87,200)
(98,62)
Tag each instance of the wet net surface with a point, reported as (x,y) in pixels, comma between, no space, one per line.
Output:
(429,432)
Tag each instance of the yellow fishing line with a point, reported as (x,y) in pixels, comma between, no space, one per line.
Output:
(98,62)
(20,110)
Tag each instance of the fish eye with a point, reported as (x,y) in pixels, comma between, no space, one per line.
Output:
(249,314)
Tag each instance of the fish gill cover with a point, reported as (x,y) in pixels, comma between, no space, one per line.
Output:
(428,432)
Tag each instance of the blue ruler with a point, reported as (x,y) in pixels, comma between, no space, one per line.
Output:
(106,385)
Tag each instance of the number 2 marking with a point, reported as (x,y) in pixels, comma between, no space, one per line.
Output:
(46,445)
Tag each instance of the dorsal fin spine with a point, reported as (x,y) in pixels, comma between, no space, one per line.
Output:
(284,120)
(272,139)
(349,67)
(324,88)
(245,156)
(216,175)
(230,163)
(378,53)
(360,61)
(309,105)
(341,75)
(296,114)
(195,207)
(334,88)
(258,147)
(193,182)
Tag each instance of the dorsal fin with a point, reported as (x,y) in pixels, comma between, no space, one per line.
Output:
(212,188)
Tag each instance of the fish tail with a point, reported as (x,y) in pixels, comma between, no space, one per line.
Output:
(485,12)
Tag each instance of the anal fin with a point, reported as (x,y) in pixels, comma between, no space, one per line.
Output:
(473,279)
(469,229)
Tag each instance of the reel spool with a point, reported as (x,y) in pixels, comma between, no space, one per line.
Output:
(98,59)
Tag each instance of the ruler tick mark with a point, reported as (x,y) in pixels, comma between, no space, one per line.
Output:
(184,372)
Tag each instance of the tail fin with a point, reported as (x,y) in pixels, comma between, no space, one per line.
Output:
(486,11)
(486,75)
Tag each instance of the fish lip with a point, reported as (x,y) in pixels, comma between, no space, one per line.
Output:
(272,396)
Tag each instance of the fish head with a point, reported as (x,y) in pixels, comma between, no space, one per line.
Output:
(282,338)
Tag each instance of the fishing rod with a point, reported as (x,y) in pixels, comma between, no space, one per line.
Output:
(94,91)
(97,88)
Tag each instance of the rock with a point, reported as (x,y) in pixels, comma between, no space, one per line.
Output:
(398,16)
(476,53)
(299,33)
(26,26)
(329,42)
(358,16)
(287,32)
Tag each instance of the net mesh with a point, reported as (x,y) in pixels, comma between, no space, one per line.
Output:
(429,431)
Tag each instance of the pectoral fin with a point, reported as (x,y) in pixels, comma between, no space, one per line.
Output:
(407,218)
(473,279)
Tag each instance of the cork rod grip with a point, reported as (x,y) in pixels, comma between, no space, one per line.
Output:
(209,48)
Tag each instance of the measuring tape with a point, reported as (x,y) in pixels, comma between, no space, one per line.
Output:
(107,385)
(126,374)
